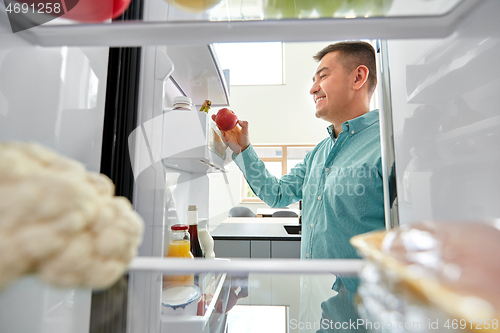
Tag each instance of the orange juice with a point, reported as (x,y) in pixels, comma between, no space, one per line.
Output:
(181,249)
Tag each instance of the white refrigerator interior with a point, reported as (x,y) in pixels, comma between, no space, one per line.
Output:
(441,76)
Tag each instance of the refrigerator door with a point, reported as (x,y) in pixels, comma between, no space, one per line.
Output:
(446,122)
(53,96)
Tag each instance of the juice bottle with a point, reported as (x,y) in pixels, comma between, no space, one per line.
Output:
(179,246)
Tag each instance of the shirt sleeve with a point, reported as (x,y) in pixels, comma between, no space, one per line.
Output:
(273,191)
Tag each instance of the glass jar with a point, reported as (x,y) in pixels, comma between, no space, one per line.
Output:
(180,247)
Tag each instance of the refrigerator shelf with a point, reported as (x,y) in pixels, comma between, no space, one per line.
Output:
(347,267)
(477,160)
(429,80)
(470,131)
(194,151)
(192,31)
(473,144)
(191,132)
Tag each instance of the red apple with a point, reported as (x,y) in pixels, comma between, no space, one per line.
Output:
(225,119)
(85,10)
(96,10)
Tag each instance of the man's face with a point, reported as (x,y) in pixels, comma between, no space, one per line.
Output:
(331,88)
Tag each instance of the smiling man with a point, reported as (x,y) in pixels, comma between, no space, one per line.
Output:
(340,180)
(344,82)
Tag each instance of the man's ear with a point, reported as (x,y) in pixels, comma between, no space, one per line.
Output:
(361,75)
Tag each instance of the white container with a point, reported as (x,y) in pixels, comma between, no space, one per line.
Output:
(180,300)
(207,243)
(183,103)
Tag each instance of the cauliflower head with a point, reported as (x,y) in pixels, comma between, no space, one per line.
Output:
(60,221)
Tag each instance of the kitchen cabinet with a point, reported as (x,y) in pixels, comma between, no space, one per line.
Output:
(285,249)
(260,248)
(256,238)
(256,248)
(232,248)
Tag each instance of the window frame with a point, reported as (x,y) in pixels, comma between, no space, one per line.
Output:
(283,159)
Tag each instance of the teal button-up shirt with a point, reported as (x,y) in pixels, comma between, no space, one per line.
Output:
(340,183)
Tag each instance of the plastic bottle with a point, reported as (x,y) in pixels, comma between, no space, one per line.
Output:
(179,246)
(207,243)
(193,231)
(183,103)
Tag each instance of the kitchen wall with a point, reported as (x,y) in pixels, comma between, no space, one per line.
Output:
(276,114)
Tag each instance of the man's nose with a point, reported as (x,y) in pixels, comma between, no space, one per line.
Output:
(314,89)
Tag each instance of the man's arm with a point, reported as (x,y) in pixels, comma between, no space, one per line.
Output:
(273,191)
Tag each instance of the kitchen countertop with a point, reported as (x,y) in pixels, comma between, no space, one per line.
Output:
(258,228)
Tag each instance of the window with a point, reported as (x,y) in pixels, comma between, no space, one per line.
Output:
(279,160)
(252,63)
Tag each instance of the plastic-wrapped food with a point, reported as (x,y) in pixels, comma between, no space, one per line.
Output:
(453,265)
(462,256)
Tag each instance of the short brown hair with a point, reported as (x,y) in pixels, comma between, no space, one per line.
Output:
(354,53)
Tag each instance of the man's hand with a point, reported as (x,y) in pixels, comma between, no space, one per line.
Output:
(238,138)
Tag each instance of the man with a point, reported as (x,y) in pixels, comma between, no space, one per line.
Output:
(340,180)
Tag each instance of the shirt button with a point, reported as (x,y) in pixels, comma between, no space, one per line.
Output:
(327,169)
(307,255)
(312,225)
(319,197)
(352,132)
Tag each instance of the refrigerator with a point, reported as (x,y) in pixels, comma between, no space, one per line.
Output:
(102,93)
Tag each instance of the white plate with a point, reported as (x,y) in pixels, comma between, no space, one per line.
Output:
(180,300)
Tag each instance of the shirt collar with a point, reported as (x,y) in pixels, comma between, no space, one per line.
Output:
(356,125)
(331,132)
